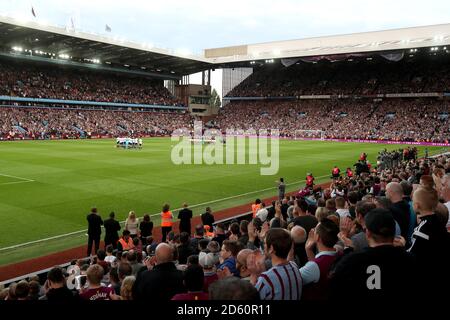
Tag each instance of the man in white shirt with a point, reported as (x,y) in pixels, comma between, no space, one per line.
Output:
(340,208)
(315,272)
(262,213)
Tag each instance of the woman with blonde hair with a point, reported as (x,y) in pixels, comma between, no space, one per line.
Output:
(131,224)
(126,288)
(321,213)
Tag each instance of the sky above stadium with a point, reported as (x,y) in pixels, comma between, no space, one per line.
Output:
(198,24)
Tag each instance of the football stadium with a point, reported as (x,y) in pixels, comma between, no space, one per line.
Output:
(121,180)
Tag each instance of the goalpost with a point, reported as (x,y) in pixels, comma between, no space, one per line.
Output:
(309,134)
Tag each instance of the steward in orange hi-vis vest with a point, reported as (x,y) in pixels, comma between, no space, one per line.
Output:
(126,245)
(255,207)
(166,219)
(166,222)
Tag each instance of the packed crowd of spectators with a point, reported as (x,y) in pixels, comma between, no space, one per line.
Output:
(34,81)
(45,123)
(379,234)
(421,120)
(424,120)
(360,77)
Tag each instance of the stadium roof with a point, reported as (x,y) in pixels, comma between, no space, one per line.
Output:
(62,43)
(37,41)
(388,40)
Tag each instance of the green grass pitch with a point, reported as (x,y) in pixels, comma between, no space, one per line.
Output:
(48,187)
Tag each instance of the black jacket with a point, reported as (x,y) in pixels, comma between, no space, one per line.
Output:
(220,238)
(161,283)
(284,209)
(400,212)
(194,244)
(146,228)
(397,269)
(270,214)
(184,251)
(431,247)
(185,217)
(61,295)
(111,230)
(95,223)
(208,219)
(300,256)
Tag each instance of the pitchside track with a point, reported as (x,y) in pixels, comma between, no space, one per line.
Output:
(48,187)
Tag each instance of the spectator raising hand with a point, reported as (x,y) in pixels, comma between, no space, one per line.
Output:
(252,232)
(264,229)
(310,244)
(346,226)
(255,265)
(150,262)
(224,273)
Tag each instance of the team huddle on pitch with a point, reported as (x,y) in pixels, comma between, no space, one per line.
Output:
(129,143)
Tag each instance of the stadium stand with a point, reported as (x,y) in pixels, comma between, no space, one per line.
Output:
(48,123)
(350,111)
(422,120)
(39,119)
(367,98)
(35,81)
(418,74)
